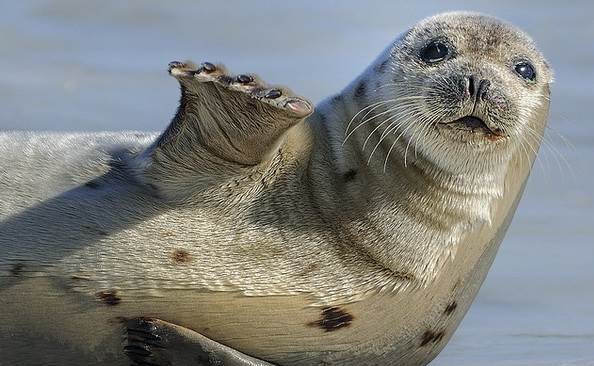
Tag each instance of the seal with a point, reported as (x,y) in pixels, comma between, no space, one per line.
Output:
(255,231)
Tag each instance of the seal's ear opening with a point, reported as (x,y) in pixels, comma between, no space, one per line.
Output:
(223,123)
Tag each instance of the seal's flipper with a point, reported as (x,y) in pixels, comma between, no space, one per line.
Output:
(154,342)
(237,119)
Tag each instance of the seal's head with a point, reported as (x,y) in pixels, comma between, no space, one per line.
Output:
(468,87)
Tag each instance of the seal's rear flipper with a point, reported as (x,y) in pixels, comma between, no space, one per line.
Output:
(223,122)
(154,342)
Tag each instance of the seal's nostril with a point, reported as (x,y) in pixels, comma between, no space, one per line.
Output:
(483,87)
(470,85)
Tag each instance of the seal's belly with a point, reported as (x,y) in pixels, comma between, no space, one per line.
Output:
(61,326)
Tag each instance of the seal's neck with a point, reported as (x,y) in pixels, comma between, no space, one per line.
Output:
(403,211)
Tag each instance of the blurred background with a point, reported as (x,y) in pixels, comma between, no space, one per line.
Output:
(80,65)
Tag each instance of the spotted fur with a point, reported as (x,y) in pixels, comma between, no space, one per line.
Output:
(250,224)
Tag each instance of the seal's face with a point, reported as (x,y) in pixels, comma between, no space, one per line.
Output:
(472,80)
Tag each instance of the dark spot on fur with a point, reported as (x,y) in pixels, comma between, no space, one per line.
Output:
(181,256)
(336,99)
(332,318)
(450,308)
(350,175)
(438,337)
(17,269)
(109,297)
(361,88)
(92,184)
(382,67)
(431,337)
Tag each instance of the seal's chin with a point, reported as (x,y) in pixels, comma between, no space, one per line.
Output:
(472,127)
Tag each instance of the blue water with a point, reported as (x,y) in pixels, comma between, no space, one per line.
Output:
(74,65)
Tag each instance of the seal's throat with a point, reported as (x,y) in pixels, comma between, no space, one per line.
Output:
(411,218)
(421,230)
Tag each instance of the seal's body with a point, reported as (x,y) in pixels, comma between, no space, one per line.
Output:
(254,232)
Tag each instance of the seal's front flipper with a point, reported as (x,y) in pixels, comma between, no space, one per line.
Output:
(154,342)
(234,119)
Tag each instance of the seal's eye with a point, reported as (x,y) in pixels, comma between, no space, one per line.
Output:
(525,70)
(434,52)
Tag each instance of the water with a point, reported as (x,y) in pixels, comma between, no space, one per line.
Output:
(73,65)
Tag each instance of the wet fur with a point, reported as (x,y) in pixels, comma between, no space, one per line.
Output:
(249,239)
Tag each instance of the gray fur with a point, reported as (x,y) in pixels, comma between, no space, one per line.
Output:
(270,236)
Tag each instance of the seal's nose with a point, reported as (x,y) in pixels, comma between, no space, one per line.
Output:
(473,91)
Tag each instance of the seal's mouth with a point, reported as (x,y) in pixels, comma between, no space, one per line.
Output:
(473,124)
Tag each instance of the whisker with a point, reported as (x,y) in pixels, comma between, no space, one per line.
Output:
(364,109)
(365,120)
(386,132)
(380,124)
(394,144)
